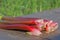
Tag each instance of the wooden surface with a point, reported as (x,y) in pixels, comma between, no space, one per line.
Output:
(18,35)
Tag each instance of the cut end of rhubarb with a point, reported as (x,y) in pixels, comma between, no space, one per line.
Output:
(34,32)
(39,21)
(52,27)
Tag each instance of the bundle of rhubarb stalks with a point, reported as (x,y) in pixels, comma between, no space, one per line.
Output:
(33,26)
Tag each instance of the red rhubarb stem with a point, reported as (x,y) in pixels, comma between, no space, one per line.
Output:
(17,26)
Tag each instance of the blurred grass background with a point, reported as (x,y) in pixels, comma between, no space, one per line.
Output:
(24,7)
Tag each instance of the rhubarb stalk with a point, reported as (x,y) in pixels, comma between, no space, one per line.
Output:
(31,29)
(16,18)
(23,21)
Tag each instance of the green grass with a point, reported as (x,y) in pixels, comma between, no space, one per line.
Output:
(24,7)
